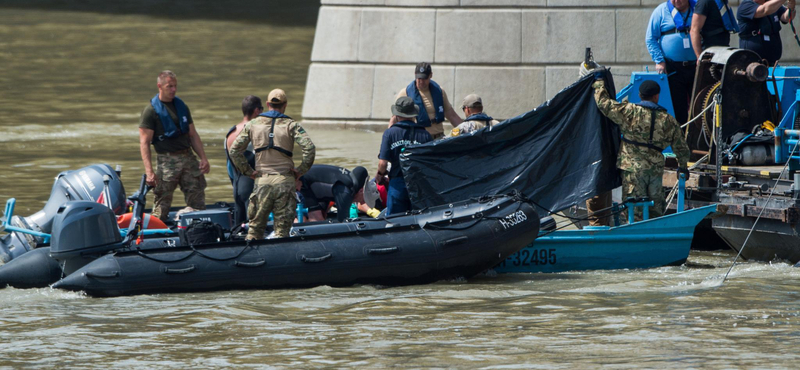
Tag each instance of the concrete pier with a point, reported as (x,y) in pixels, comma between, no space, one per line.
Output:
(514,53)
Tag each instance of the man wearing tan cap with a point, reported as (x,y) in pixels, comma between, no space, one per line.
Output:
(273,135)
(428,95)
(476,119)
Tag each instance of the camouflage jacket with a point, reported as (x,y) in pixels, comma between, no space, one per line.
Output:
(634,123)
(287,132)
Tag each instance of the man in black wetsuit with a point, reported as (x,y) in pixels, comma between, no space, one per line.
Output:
(242,185)
(323,184)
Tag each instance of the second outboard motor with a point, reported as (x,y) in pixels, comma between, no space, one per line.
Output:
(82,184)
(82,231)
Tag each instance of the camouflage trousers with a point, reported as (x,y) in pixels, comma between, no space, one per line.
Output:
(646,183)
(173,170)
(273,194)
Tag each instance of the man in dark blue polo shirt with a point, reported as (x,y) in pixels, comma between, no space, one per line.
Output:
(712,24)
(404,132)
(760,24)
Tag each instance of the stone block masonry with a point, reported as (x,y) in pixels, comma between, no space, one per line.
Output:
(515,54)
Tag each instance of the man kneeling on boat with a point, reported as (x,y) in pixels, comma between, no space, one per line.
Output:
(646,129)
(323,184)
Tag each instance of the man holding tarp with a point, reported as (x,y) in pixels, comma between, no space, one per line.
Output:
(647,129)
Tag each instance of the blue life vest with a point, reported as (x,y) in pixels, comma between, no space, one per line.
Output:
(680,26)
(438,103)
(273,114)
(248,154)
(479,117)
(650,105)
(231,168)
(170,129)
(728,18)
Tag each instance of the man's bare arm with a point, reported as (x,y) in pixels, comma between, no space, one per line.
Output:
(698,21)
(145,137)
(197,145)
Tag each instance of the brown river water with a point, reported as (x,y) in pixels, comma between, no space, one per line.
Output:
(73,80)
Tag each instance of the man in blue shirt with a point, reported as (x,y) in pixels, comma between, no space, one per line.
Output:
(760,24)
(405,131)
(670,46)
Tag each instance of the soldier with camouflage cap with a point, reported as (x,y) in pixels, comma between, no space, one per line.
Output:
(476,119)
(647,129)
(273,135)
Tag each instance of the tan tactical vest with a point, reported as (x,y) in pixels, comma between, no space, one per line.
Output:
(271,160)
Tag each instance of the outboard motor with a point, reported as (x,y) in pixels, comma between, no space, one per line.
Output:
(82,184)
(82,231)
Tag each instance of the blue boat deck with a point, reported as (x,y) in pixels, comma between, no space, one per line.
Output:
(651,243)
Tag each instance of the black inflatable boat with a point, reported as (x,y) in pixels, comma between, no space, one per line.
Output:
(455,240)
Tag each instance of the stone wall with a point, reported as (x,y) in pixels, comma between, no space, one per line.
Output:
(514,53)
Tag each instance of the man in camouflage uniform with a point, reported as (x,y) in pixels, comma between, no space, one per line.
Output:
(167,124)
(273,135)
(646,129)
(472,105)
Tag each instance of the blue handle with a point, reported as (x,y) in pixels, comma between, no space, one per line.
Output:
(7,222)
(681,192)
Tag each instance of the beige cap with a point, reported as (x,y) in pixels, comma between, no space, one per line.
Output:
(276,96)
(472,101)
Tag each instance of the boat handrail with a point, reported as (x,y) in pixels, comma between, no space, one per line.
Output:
(6,224)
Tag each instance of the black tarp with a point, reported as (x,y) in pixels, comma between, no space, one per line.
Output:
(558,154)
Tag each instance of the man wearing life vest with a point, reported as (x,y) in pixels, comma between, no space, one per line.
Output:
(712,24)
(242,185)
(273,135)
(167,124)
(760,24)
(670,47)
(472,105)
(428,94)
(646,129)
(403,133)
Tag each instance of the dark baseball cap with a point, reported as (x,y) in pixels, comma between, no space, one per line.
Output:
(405,107)
(423,70)
(649,88)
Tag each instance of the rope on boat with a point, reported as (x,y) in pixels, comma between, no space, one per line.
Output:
(192,253)
(794,31)
(710,144)
(785,166)
(697,116)
(594,216)
(674,190)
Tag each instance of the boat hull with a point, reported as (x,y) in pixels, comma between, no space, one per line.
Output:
(770,239)
(662,241)
(444,242)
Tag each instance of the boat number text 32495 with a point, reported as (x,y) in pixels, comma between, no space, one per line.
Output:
(528,257)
